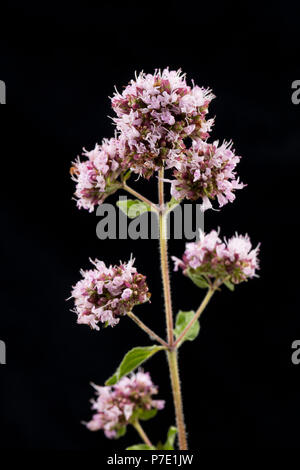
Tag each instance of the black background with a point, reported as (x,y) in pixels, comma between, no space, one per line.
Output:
(60,64)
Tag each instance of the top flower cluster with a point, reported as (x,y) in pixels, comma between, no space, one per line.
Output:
(156,113)
(155,116)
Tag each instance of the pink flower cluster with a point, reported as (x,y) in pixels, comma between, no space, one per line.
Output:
(233,260)
(104,294)
(156,113)
(121,404)
(206,171)
(97,177)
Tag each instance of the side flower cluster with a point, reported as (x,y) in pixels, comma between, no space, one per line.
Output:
(106,293)
(122,404)
(98,176)
(234,260)
(206,171)
(156,113)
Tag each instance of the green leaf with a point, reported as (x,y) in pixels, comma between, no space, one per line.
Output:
(133,207)
(147,414)
(229,285)
(140,447)
(172,203)
(197,279)
(182,320)
(134,358)
(121,432)
(169,444)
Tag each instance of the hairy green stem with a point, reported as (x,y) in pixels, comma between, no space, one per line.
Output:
(147,329)
(164,261)
(171,354)
(140,197)
(176,390)
(142,433)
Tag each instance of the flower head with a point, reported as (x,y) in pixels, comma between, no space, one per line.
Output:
(155,113)
(104,294)
(206,171)
(215,260)
(98,176)
(117,406)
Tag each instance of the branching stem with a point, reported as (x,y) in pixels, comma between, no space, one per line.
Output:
(147,330)
(204,303)
(171,346)
(140,197)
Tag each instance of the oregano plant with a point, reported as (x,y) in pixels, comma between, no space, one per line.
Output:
(161,126)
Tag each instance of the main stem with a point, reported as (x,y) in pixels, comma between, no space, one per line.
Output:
(176,390)
(164,260)
(142,433)
(171,354)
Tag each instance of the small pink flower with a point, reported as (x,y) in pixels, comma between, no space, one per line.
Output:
(128,411)
(159,404)
(126,294)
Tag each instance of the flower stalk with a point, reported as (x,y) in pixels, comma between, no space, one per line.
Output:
(204,303)
(148,330)
(140,197)
(143,435)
